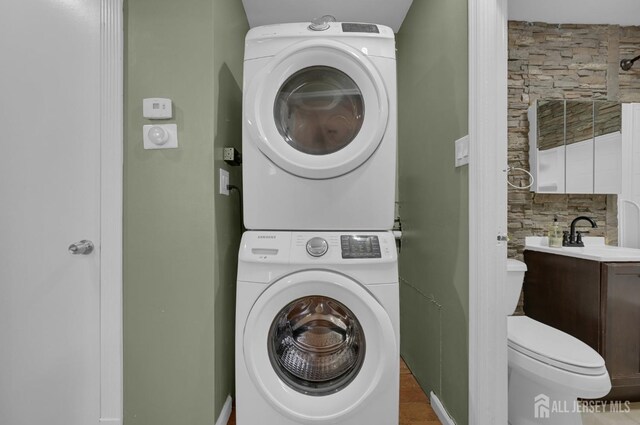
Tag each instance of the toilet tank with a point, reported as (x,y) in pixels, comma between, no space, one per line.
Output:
(515,278)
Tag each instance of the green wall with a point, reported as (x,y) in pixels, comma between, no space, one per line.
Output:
(433,199)
(180,236)
(230,28)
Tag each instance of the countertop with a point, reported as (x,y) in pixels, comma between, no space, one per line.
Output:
(594,249)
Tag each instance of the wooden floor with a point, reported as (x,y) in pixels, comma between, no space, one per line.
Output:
(415,408)
(626,415)
(414,404)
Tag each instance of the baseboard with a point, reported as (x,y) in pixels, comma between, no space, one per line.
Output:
(441,412)
(111,421)
(225,413)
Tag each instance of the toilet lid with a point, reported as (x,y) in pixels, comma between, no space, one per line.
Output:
(553,347)
(514,265)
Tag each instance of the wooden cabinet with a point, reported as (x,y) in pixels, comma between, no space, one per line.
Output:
(598,303)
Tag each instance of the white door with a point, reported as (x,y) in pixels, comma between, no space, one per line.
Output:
(49,197)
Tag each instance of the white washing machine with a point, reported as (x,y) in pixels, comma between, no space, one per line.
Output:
(317,329)
(319,131)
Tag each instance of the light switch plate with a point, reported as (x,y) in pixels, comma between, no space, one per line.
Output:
(462,151)
(168,130)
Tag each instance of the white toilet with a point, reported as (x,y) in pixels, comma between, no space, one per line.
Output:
(548,369)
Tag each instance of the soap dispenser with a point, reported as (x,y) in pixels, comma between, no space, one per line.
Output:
(555,234)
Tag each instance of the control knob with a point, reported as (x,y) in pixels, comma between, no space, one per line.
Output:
(317,247)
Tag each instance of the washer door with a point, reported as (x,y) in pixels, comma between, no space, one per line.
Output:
(317,344)
(318,110)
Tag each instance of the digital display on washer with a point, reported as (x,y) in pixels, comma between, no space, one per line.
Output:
(351,27)
(360,246)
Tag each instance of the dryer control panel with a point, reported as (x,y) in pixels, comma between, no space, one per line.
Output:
(357,27)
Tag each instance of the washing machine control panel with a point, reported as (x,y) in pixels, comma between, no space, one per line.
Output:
(322,248)
(360,246)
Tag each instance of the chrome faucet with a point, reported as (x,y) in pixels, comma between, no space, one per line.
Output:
(573,238)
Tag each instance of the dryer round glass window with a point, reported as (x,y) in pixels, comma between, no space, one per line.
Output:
(319,110)
(316,345)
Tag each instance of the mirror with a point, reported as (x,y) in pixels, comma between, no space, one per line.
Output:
(575,146)
(608,147)
(579,147)
(550,146)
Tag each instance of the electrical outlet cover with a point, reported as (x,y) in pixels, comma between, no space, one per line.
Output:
(224,182)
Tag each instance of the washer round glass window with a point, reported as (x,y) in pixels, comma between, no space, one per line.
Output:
(319,110)
(316,345)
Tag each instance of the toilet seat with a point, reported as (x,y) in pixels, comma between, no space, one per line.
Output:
(553,347)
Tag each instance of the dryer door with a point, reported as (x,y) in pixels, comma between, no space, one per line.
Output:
(318,110)
(317,344)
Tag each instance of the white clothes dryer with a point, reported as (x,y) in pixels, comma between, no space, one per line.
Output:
(319,127)
(317,329)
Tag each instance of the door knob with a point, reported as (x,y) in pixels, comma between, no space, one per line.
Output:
(84,247)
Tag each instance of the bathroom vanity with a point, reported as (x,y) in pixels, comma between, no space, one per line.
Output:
(592,293)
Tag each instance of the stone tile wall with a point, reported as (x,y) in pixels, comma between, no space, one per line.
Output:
(550,61)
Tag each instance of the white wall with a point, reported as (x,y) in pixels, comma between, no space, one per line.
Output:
(621,12)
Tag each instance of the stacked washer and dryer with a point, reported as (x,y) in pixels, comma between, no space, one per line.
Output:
(317,320)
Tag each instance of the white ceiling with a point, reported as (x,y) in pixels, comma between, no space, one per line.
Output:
(385,12)
(621,12)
